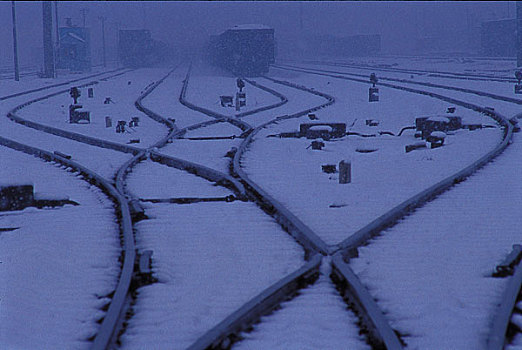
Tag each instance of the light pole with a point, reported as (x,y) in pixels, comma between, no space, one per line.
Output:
(519,34)
(57,44)
(84,15)
(102,19)
(15,43)
(47,14)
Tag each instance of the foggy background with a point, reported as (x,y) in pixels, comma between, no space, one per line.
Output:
(405,27)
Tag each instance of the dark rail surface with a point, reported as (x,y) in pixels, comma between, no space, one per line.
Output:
(302,233)
(380,332)
(502,319)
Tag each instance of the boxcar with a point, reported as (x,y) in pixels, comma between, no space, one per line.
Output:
(244,50)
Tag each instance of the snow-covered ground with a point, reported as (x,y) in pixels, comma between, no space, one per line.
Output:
(381,179)
(165,100)
(59,264)
(205,88)
(441,259)
(493,87)
(150,180)
(210,258)
(55,110)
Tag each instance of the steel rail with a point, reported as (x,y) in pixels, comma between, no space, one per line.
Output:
(3,98)
(349,246)
(297,229)
(363,235)
(436,74)
(433,85)
(104,336)
(497,335)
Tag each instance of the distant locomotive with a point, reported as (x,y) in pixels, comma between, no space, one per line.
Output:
(245,50)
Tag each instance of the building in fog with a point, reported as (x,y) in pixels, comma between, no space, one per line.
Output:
(498,38)
(346,46)
(75,49)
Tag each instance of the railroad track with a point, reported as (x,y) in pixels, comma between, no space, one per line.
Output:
(413,82)
(428,73)
(119,297)
(497,336)
(227,331)
(222,333)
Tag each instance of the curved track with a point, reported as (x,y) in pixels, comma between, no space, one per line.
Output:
(380,334)
(498,330)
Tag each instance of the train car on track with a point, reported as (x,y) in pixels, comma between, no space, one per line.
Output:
(136,48)
(244,50)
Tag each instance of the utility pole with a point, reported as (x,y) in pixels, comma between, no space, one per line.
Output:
(15,43)
(47,14)
(519,34)
(102,19)
(84,15)
(57,44)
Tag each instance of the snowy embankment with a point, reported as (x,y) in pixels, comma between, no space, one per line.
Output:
(453,243)
(383,175)
(208,263)
(122,91)
(59,264)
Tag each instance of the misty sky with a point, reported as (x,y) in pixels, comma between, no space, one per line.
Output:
(188,24)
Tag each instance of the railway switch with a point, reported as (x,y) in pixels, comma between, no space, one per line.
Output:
(226,101)
(345,171)
(75,94)
(134,122)
(416,145)
(240,84)
(436,139)
(76,116)
(329,168)
(316,145)
(373,94)
(507,267)
(518,86)
(120,128)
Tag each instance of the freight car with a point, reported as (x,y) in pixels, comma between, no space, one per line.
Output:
(136,48)
(244,50)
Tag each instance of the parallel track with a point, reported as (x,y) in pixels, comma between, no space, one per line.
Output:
(244,318)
